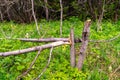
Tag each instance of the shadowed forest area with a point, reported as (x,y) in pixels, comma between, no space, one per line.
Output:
(60,40)
(21,10)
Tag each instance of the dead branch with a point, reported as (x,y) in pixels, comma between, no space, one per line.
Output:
(44,40)
(99,21)
(46,65)
(109,40)
(85,35)
(33,13)
(72,48)
(36,48)
(30,66)
(76,40)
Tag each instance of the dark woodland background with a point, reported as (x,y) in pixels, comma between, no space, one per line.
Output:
(20,10)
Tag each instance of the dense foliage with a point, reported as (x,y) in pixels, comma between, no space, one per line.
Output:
(20,10)
(101,61)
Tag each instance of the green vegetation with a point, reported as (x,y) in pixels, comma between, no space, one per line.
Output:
(101,61)
(50,10)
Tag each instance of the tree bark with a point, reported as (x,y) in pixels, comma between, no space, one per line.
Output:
(85,35)
(46,10)
(61,17)
(76,40)
(72,48)
(35,19)
(36,48)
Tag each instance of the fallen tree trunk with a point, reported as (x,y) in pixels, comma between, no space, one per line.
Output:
(45,40)
(76,40)
(36,48)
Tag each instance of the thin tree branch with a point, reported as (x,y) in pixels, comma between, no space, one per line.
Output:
(33,13)
(30,66)
(118,68)
(46,65)
(109,40)
(99,21)
(61,17)
(8,3)
(77,40)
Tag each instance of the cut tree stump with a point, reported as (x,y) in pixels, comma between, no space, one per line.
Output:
(85,35)
(72,48)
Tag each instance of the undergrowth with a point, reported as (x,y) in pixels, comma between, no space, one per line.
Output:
(101,62)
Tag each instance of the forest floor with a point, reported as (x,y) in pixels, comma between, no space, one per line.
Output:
(102,60)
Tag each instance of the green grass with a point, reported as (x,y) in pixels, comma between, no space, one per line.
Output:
(101,61)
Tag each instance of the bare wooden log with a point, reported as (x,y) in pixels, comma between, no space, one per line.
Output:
(46,40)
(77,40)
(36,48)
(85,35)
(34,16)
(39,40)
(72,48)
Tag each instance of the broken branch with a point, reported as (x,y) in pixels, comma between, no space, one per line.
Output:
(36,48)
(23,74)
(46,65)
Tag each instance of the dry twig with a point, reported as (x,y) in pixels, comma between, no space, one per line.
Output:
(109,40)
(46,65)
(33,12)
(30,66)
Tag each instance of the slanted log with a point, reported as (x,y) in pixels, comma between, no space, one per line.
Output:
(36,48)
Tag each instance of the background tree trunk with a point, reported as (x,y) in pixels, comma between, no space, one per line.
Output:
(46,10)
(61,17)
